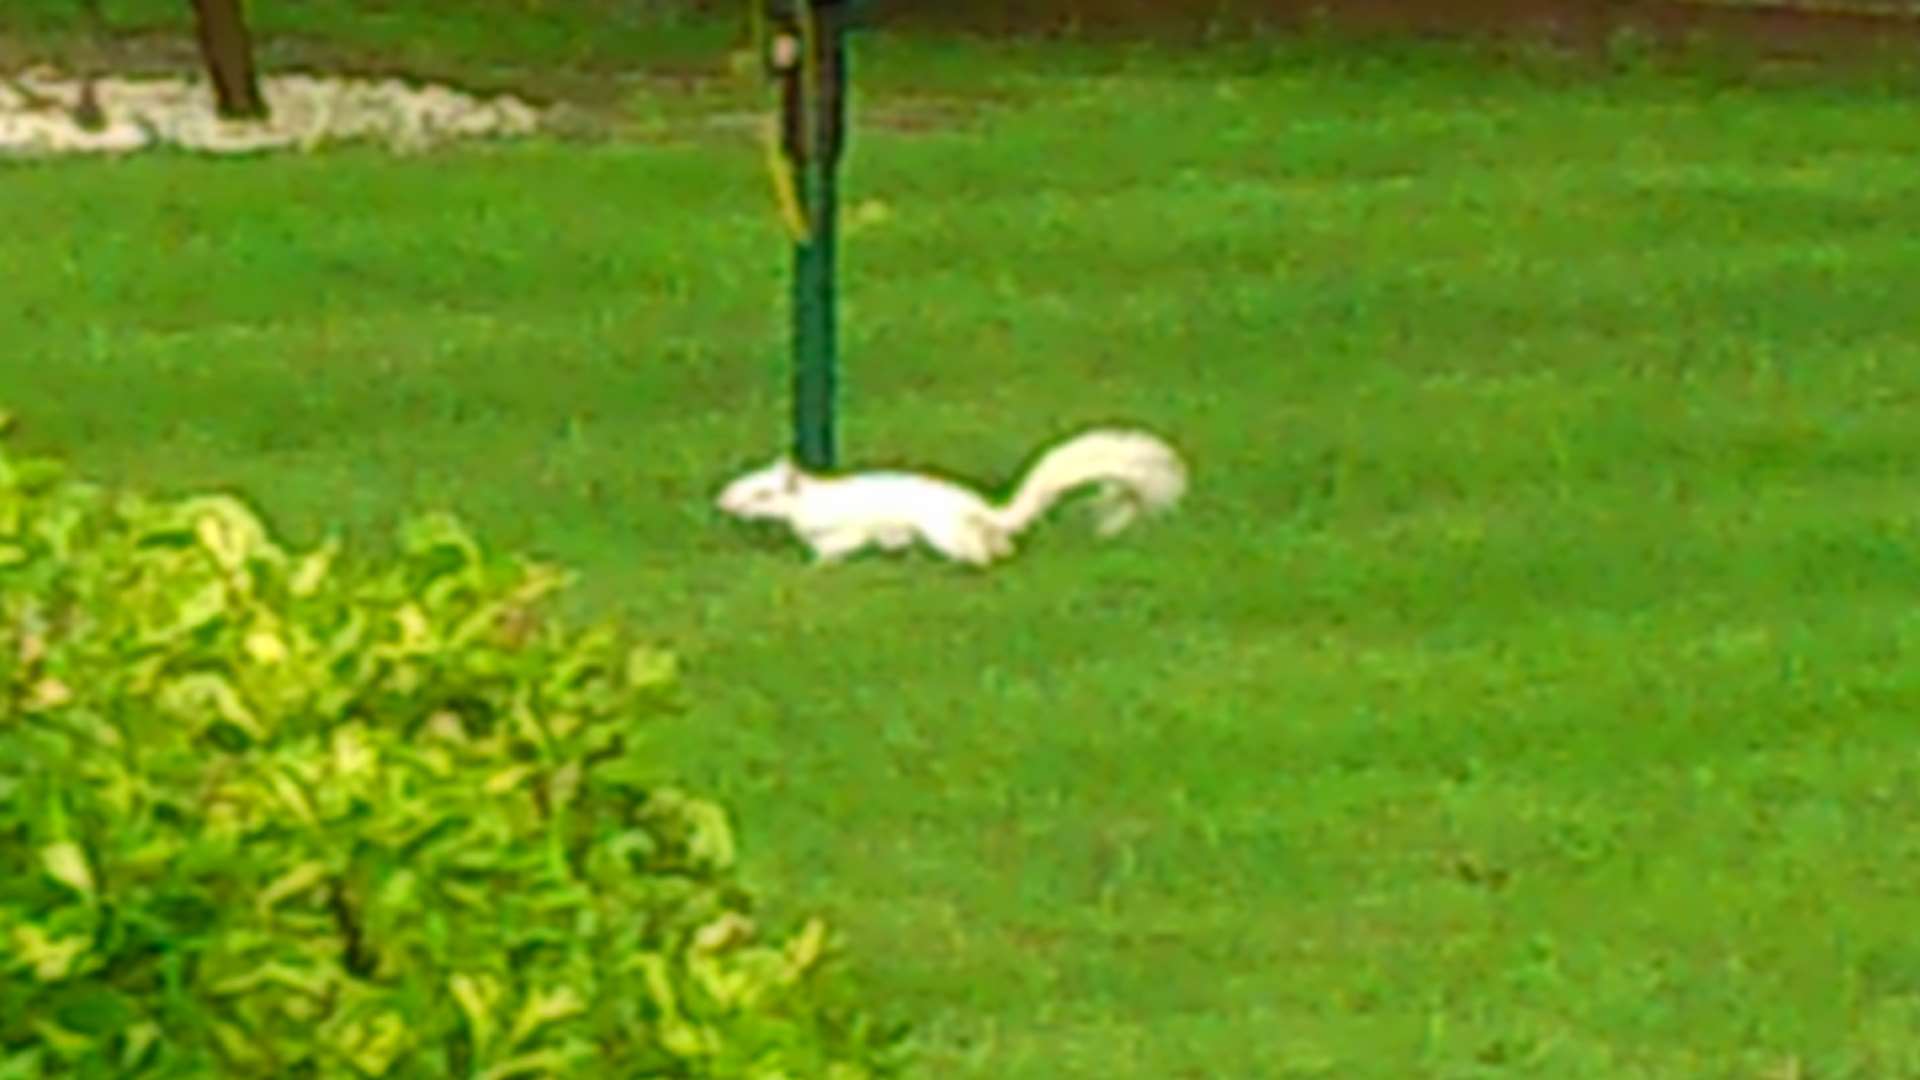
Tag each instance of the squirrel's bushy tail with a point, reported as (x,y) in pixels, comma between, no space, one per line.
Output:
(1136,472)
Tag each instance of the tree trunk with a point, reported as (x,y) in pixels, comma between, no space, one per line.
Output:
(228,51)
(87,114)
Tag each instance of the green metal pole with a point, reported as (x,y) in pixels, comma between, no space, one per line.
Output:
(816,125)
(815,344)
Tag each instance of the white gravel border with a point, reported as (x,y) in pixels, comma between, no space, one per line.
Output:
(37,115)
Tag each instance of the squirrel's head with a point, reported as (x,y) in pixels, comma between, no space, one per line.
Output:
(767,492)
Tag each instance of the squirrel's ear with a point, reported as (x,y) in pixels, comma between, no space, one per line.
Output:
(789,475)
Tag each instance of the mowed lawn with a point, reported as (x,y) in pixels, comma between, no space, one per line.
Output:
(1531,686)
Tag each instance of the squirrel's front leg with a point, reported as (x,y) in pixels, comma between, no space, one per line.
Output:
(832,547)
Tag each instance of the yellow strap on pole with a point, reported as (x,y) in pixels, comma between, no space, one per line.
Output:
(786,192)
(780,171)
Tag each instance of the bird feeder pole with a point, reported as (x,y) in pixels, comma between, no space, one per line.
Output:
(807,54)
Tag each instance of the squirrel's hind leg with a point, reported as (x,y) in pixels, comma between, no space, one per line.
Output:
(968,539)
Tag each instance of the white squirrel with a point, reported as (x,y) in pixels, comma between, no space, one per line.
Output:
(1135,472)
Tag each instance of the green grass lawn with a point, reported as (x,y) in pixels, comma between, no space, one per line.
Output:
(1529,687)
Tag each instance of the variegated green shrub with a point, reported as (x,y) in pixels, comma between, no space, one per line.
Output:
(268,813)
